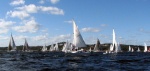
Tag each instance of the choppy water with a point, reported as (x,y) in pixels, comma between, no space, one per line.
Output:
(50,61)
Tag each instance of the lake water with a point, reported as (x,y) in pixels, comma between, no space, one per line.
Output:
(58,61)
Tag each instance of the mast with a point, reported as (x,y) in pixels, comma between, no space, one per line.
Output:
(78,40)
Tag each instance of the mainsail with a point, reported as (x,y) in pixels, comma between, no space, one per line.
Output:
(129,48)
(66,47)
(26,46)
(52,48)
(97,46)
(56,47)
(111,48)
(12,46)
(118,48)
(77,40)
(114,40)
(138,49)
(44,48)
(145,47)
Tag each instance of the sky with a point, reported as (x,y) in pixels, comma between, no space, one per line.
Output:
(49,21)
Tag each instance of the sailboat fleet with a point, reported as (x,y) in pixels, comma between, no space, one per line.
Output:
(76,45)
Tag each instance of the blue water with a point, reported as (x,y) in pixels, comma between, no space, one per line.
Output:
(56,61)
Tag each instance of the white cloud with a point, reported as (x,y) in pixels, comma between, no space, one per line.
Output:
(103,25)
(3,31)
(29,26)
(24,11)
(52,10)
(4,37)
(17,2)
(70,21)
(41,1)
(31,8)
(61,38)
(54,1)
(5,25)
(39,37)
(19,14)
(90,30)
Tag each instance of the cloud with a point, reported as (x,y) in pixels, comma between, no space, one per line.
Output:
(39,38)
(31,8)
(90,29)
(17,2)
(103,25)
(61,38)
(3,31)
(52,10)
(54,1)
(30,26)
(4,37)
(41,1)
(24,11)
(5,25)
(19,14)
(70,21)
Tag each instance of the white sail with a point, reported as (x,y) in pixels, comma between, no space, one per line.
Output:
(44,48)
(118,48)
(111,48)
(97,46)
(138,49)
(90,50)
(114,44)
(129,48)
(56,47)
(145,47)
(26,46)
(114,39)
(77,40)
(66,47)
(52,48)
(132,50)
(12,46)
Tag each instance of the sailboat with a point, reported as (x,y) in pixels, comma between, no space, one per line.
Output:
(111,48)
(78,41)
(51,48)
(118,48)
(44,49)
(26,46)
(145,47)
(12,46)
(115,46)
(56,47)
(129,49)
(132,50)
(138,49)
(66,47)
(97,46)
